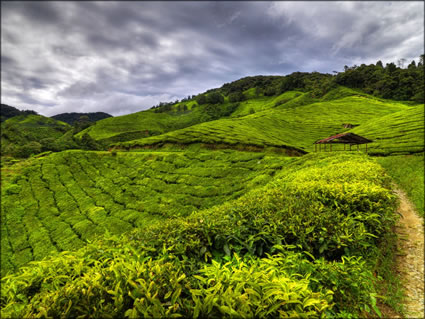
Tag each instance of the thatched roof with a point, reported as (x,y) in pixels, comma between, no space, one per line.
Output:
(344,138)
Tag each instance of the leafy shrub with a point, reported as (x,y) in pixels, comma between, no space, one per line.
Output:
(308,243)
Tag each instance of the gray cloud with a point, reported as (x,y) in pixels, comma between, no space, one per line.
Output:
(123,57)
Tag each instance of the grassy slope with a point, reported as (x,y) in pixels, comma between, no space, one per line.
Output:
(262,103)
(292,126)
(408,172)
(155,123)
(26,128)
(401,132)
(66,198)
(133,126)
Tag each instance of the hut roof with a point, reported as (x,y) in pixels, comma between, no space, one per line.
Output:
(345,138)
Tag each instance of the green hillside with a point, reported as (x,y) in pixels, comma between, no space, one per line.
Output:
(140,124)
(64,199)
(73,117)
(397,133)
(296,127)
(21,130)
(309,243)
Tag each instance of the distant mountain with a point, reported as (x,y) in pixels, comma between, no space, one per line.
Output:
(73,117)
(7,111)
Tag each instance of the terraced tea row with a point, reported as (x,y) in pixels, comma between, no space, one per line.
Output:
(297,127)
(397,133)
(67,198)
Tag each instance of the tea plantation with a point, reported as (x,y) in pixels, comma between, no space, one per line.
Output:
(299,237)
(398,133)
(211,209)
(294,127)
(62,200)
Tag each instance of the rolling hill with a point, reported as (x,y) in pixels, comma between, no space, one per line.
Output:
(21,130)
(73,117)
(73,196)
(397,133)
(283,126)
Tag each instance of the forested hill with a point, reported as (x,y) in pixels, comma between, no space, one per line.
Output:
(7,111)
(73,117)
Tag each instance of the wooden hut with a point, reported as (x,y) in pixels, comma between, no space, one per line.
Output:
(343,138)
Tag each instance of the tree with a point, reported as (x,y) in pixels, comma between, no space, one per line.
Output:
(28,149)
(48,144)
(215,98)
(88,143)
(270,91)
(201,99)
(236,97)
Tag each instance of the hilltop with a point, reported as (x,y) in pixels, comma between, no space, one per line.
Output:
(72,118)
(24,134)
(7,111)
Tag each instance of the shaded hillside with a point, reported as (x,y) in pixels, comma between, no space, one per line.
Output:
(7,111)
(282,126)
(398,133)
(73,117)
(23,135)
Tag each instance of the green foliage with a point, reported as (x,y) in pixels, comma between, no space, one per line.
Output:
(389,82)
(20,133)
(296,248)
(236,97)
(75,196)
(284,126)
(408,173)
(395,134)
(73,117)
(256,288)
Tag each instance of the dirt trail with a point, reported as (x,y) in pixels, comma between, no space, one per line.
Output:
(411,260)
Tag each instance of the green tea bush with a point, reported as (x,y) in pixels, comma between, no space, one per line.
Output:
(326,219)
(111,279)
(77,195)
(304,245)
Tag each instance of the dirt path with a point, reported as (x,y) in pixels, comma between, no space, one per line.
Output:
(411,261)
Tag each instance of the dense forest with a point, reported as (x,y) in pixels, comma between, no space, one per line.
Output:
(73,117)
(7,111)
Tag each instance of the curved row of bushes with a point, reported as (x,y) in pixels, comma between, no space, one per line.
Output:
(305,245)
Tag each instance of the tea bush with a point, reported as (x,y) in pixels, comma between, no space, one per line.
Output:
(286,249)
(74,196)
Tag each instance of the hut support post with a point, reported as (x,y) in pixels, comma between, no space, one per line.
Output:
(357,147)
(315,147)
(366,148)
(330,147)
(350,147)
(344,146)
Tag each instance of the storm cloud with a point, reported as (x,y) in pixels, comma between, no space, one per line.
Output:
(123,57)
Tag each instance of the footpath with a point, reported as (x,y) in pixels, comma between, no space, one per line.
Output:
(410,261)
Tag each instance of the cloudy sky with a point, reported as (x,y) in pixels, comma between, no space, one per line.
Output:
(123,57)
